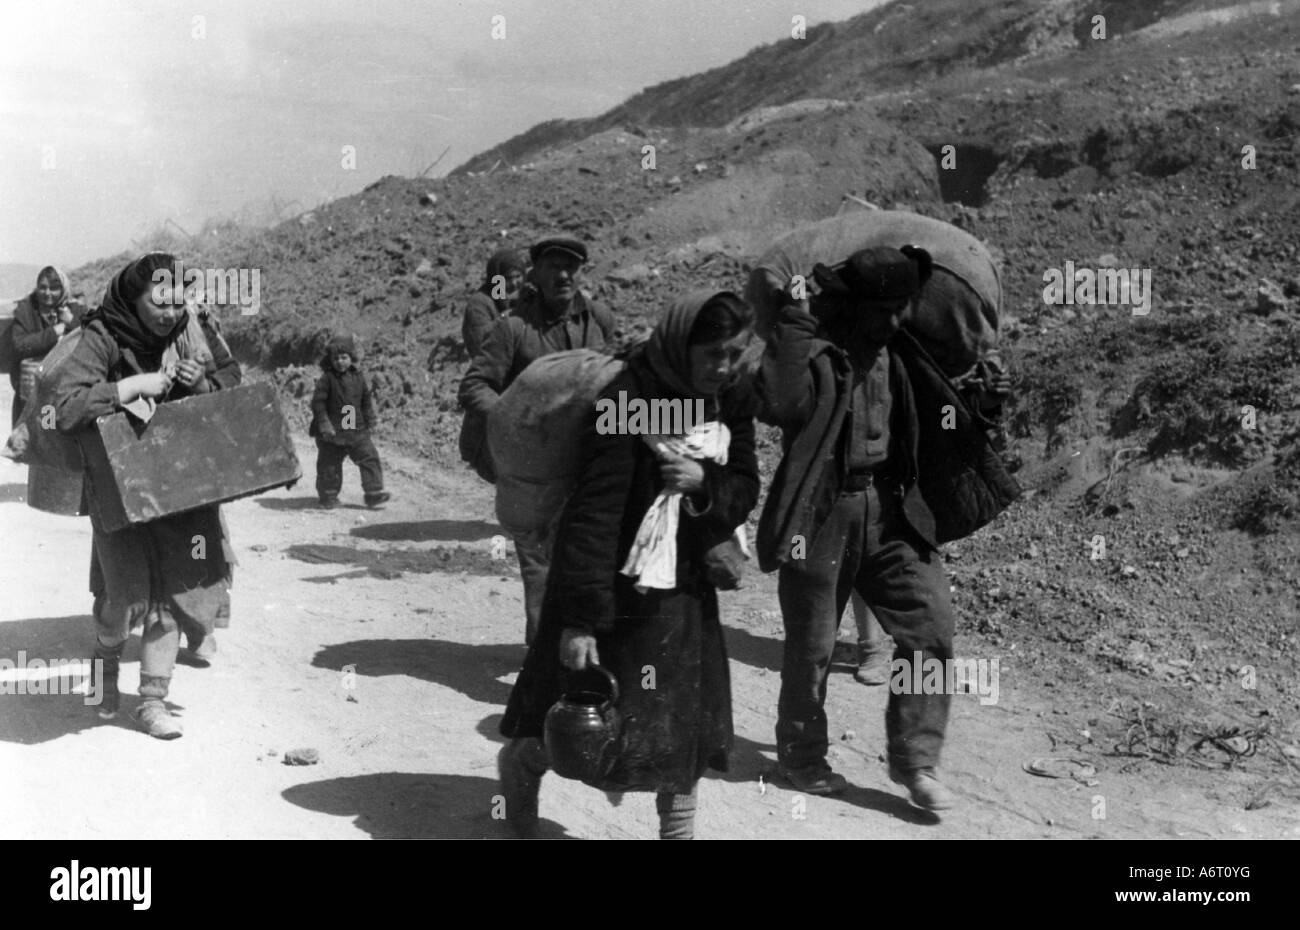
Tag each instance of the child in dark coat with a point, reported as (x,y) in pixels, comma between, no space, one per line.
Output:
(342,416)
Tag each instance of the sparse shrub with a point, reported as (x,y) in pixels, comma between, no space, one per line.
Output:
(1271,503)
(1190,397)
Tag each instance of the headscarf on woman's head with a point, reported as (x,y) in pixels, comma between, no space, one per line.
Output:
(668,351)
(63,283)
(117,312)
(502,262)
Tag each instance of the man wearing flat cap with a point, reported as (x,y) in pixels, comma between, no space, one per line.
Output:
(845,510)
(552,316)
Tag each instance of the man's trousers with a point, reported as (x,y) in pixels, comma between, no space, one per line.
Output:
(864,544)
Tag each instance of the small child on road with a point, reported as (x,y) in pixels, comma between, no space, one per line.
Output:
(342,416)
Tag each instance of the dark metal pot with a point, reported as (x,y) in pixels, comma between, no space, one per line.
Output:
(583,727)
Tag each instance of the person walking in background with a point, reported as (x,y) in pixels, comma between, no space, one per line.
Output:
(554,317)
(343,413)
(874,648)
(496,296)
(40,321)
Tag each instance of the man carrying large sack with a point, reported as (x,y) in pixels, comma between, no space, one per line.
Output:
(955,317)
(884,460)
(554,318)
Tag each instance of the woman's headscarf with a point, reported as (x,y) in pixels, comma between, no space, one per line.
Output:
(668,351)
(502,262)
(141,346)
(63,282)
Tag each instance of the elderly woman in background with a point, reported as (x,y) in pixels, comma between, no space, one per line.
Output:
(603,608)
(40,320)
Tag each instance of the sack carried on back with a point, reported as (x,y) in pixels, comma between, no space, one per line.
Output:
(956,313)
(533,433)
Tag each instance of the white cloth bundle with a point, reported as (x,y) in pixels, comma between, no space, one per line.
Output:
(653,558)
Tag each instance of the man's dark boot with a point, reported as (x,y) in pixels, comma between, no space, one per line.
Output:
(924,787)
(815,778)
(521,763)
(153,715)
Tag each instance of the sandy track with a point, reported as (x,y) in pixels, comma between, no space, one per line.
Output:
(412,755)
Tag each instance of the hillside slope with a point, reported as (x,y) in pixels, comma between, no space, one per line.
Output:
(1125,151)
(889,48)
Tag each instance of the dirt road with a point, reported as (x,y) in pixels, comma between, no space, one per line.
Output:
(388,640)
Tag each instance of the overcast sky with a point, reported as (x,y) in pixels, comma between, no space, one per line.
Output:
(118,114)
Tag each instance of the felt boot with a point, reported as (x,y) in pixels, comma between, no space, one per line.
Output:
(676,815)
(521,763)
(153,715)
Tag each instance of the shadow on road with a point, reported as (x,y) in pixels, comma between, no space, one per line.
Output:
(29,718)
(490,727)
(758,651)
(750,761)
(302,503)
(430,531)
(391,563)
(472,670)
(405,805)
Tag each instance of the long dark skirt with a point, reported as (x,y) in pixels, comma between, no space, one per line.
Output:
(175,571)
(667,652)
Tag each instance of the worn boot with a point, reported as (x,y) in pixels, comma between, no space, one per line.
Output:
(874,663)
(521,763)
(111,657)
(676,815)
(924,787)
(815,778)
(153,715)
(200,649)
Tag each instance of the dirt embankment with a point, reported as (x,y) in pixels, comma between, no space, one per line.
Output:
(1165,654)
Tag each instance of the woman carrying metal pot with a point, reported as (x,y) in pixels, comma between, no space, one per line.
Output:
(644,542)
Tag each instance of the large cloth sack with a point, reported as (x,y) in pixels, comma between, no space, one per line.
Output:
(533,433)
(960,475)
(956,316)
(55,490)
(36,440)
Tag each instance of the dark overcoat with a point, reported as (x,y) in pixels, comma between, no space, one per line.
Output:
(664,647)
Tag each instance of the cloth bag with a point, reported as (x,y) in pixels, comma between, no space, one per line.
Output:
(534,433)
(956,313)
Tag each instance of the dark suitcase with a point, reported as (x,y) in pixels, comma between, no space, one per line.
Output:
(193,453)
